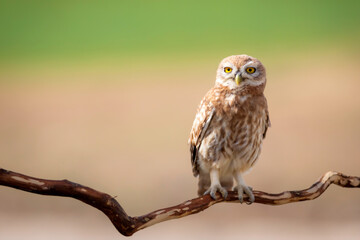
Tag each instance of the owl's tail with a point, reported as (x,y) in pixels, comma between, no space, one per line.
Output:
(204,183)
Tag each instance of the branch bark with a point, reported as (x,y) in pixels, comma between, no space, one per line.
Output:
(128,225)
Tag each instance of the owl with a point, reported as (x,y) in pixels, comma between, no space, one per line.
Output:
(229,128)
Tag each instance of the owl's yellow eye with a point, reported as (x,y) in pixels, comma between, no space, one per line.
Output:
(250,70)
(227,69)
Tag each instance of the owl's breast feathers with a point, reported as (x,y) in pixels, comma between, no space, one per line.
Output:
(237,117)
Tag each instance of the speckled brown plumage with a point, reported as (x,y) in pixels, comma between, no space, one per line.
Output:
(230,124)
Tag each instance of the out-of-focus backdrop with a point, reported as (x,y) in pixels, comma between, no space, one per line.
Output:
(104,93)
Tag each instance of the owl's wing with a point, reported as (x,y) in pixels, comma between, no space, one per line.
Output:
(201,123)
(267,123)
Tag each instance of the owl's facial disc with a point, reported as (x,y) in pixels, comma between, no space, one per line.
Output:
(240,71)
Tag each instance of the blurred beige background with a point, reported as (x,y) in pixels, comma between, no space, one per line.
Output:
(130,140)
(105,95)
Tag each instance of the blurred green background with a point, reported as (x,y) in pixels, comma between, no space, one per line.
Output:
(104,93)
(128,30)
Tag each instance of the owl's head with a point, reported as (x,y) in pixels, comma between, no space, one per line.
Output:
(239,71)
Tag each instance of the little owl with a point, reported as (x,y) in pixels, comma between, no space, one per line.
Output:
(229,127)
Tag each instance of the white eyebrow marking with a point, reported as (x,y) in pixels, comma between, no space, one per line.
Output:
(247,64)
(228,64)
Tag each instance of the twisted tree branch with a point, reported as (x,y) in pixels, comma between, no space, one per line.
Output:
(128,225)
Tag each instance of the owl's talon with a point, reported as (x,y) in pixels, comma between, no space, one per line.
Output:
(216,188)
(224,194)
(213,195)
(241,189)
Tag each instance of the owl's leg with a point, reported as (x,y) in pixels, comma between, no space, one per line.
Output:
(215,185)
(242,188)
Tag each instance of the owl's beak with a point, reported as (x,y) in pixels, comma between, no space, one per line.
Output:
(238,78)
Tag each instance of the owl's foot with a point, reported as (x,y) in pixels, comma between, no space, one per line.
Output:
(241,189)
(216,188)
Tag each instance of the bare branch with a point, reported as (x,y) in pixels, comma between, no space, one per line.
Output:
(127,225)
